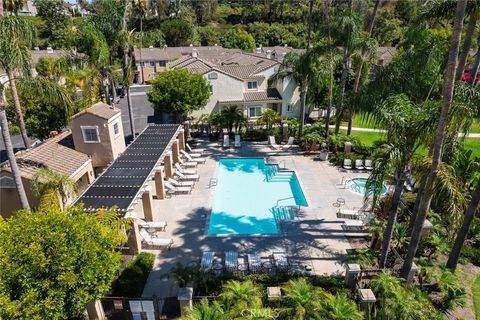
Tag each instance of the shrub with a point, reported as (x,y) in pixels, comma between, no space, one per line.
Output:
(262,134)
(131,281)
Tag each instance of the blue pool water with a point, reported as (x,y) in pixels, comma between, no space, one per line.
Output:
(358,185)
(246,196)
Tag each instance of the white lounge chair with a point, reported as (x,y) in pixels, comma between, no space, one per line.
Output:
(226,141)
(189,157)
(273,144)
(351,214)
(231,261)
(172,189)
(156,242)
(357,225)
(238,142)
(368,165)
(289,143)
(254,262)
(207,260)
(185,171)
(359,164)
(187,177)
(161,225)
(280,260)
(188,164)
(194,150)
(347,164)
(181,183)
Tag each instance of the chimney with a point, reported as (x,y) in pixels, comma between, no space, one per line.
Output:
(269,54)
(194,53)
(53,134)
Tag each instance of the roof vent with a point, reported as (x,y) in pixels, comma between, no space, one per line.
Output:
(49,50)
(285,45)
(194,53)
(150,47)
(269,54)
(36,48)
(191,44)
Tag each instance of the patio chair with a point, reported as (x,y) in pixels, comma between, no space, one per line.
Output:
(368,165)
(254,263)
(155,242)
(187,164)
(289,143)
(357,225)
(226,141)
(347,164)
(280,260)
(181,183)
(359,164)
(238,142)
(189,157)
(207,260)
(273,144)
(351,214)
(231,261)
(184,171)
(194,150)
(186,177)
(172,189)
(160,225)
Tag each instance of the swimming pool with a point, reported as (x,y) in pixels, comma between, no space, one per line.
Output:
(247,197)
(358,185)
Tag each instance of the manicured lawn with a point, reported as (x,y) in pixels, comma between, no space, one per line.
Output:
(367,138)
(476,297)
(360,121)
(475,127)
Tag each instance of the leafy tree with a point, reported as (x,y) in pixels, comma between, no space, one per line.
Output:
(52,68)
(178,91)
(53,263)
(53,12)
(153,38)
(208,36)
(177,32)
(238,38)
(47,183)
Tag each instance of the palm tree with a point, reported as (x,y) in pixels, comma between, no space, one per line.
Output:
(12,6)
(476,64)
(16,39)
(408,126)
(17,178)
(205,311)
(240,295)
(299,68)
(270,117)
(447,92)
(303,299)
(230,116)
(467,43)
(47,184)
(340,307)
(462,233)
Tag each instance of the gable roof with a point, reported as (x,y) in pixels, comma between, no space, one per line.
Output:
(53,154)
(99,109)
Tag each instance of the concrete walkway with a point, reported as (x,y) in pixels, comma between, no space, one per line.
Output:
(315,239)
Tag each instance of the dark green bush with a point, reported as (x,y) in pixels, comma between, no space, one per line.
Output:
(262,134)
(131,281)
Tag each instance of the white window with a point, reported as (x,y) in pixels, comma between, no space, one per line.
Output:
(289,108)
(90,134)
(116,129)
(254,112)
(252,85)
(212,75)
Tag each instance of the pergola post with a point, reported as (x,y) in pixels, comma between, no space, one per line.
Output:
(181,139)
(159,185)
(168,165)
(175,151)
(134,239)
(147,204)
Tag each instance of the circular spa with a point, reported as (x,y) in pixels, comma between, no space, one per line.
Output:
(357,185)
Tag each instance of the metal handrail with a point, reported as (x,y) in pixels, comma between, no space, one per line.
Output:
(283,199)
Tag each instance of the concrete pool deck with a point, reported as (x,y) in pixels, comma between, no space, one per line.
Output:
(315,239)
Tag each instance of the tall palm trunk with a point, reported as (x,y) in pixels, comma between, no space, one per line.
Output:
(392,218)
(303,98)
(426,195)
(358,74)
(462,233)
(18,108)
(130,111)
(343,83)
(11,155)
(476,64)
(330,101)
(462,59)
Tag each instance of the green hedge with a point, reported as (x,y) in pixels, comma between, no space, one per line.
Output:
(131,281)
